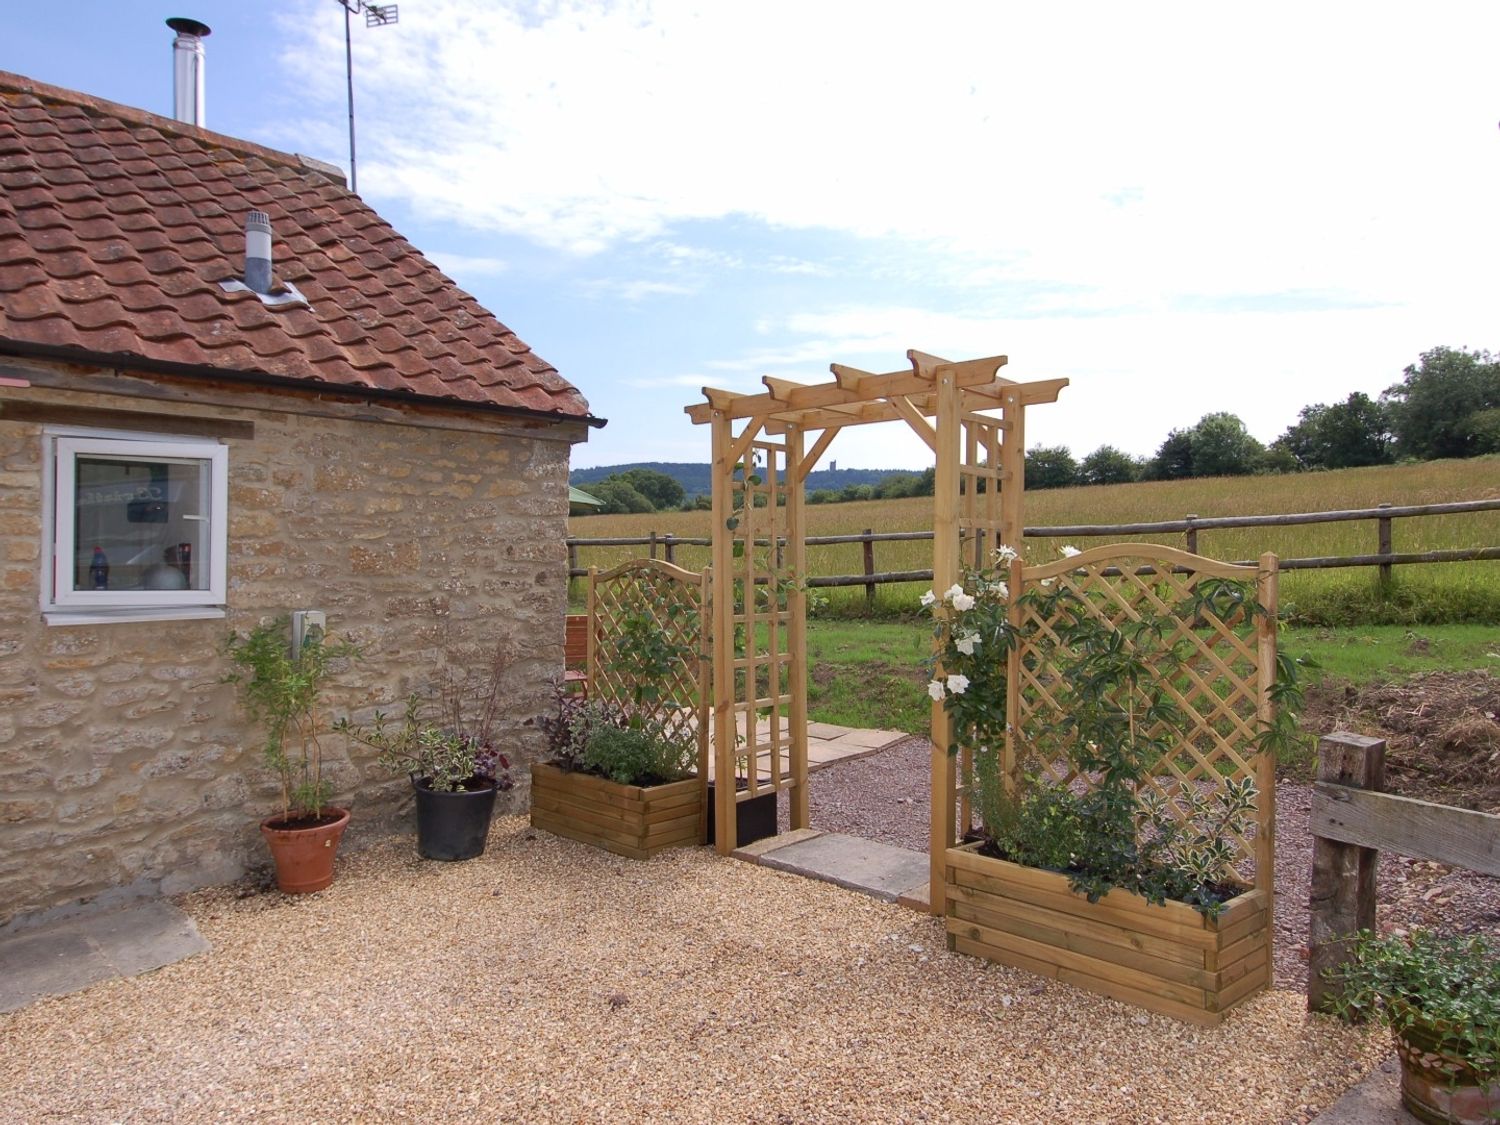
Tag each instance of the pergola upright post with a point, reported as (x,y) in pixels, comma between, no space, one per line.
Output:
(945,550)
(723,638)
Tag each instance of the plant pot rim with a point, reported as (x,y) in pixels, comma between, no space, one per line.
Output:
(424,785)
(340,816)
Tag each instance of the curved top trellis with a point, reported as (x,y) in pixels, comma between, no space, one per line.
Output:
(974,422)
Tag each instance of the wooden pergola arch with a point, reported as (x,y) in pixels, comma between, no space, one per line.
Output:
(974,422)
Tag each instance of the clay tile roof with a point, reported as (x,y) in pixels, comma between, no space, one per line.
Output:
(116,227)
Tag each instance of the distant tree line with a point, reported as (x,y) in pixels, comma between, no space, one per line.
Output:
(1446,405)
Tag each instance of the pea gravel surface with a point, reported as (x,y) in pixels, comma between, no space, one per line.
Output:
(548,981)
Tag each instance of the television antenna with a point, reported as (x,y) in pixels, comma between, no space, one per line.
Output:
(376,15)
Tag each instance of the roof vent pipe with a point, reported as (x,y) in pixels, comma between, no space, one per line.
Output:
(187,69)
(258,252)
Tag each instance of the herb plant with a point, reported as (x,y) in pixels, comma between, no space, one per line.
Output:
(1446,985)
(638,752)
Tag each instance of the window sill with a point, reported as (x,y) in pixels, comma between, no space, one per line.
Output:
(110,616)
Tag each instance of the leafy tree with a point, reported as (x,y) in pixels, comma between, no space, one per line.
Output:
(663,491)
(1108,465)
(1484,429)
(898,486)
(1173,459)
(1433,407)
(1345,435)
(1222,447)
(822,496)
(1278,459)
(1050,466)
(620,497)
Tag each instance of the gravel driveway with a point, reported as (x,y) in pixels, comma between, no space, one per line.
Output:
(548,981)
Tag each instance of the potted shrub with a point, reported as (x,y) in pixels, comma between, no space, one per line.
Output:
(1440,996)
(616,780)
(1081,869)
(454,777)
(451,757)
(282,692)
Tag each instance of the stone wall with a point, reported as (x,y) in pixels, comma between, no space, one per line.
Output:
(126,765)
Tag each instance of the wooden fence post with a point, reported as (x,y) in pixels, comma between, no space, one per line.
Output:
(572,559)
(651,540)
(1383,546)
(671,542)
(1192,534)
(1342,898)
(869,546)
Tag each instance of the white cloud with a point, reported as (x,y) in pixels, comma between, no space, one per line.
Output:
(632,290)
(1182,207)
(462,266)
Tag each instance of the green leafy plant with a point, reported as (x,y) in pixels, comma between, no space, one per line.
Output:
(630,752)
(1116,681)
(448,745)
(1446,985)
(646,653)
(283,693)
(418,746)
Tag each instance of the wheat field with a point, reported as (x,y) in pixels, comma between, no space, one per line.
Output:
(1432,482)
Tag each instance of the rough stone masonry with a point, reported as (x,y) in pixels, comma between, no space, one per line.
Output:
(126,765)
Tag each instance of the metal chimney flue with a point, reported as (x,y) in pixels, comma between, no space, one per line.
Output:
(258,252)
(187,69)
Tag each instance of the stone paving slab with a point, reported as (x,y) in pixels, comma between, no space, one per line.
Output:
(73,953)
(753,852)
(870,739)
(1375,1101)
(881,870)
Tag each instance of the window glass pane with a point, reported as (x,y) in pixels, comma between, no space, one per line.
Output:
(141,523)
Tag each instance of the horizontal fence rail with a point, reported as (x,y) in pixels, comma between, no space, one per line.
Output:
(1189,527)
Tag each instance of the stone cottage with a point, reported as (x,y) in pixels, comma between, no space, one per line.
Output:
(192,443)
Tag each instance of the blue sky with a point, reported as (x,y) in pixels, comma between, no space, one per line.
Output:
(1181,207)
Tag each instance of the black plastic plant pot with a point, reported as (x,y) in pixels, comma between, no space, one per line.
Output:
(453,825)
(755,818)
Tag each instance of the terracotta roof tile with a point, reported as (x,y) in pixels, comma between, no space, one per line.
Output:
(116,227)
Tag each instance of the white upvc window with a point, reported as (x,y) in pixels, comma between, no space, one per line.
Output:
(137,527)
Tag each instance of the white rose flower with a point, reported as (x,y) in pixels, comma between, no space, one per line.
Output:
(1004,554)
(935,689)
(963,602)
(1000,590)
(928,598)
(958,684)
(967,643)
(1069,552)
(952,592)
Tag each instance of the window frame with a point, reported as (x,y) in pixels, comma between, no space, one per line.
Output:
(63,605)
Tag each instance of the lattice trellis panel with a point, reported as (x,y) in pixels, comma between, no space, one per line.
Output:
(1217,673)
(672,686)
(761,616)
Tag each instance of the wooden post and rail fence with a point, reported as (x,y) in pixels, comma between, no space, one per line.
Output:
(1190,526)
(1352,823)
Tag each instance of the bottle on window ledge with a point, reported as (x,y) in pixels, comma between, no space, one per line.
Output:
(99,570)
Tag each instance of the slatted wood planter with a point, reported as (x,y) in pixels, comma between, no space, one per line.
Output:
(628,820)
(1169,959)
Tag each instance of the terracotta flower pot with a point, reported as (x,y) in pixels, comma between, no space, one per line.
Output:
(1439,1087)
(304,851)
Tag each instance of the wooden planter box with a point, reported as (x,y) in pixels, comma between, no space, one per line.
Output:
(1169,959)
(625,819)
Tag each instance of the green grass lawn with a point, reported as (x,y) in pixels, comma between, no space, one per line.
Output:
(869,673)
